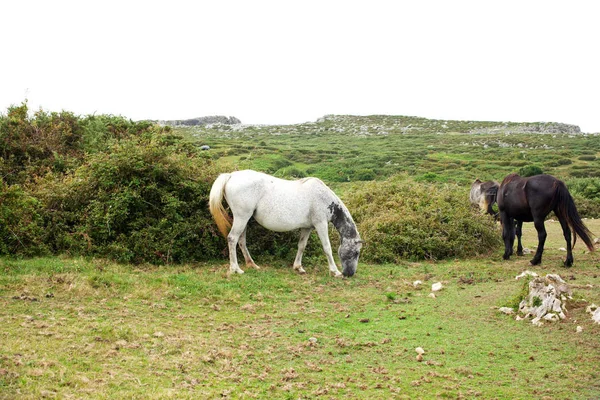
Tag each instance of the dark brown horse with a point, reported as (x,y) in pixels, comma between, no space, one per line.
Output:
(532,199)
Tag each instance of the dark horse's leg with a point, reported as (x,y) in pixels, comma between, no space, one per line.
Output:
(567,233)
(508,234)
(519,229)
(541,230)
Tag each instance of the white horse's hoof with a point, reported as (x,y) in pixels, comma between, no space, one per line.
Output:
(337,274)
(253,266)
(299,269)
(235,271)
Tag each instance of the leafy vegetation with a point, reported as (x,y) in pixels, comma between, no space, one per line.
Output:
(103,186)
(402,220)
(135,192)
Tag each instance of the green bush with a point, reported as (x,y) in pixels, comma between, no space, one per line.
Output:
(143,201)
(530,170)
(402,219)
(21,223)
(587,157)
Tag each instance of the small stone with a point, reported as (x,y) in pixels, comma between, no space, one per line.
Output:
(313,340)
(432,295)
(579,329)
(506,310)
(420,350)
(436,287)
(417,284)
(526,273)
(419,357)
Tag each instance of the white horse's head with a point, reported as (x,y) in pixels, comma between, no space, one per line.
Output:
(349,252)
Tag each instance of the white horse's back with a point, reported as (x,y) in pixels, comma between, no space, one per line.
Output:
(277,204)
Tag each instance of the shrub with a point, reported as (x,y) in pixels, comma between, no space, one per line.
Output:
(530,170)
(21,224)
(143,201)
(587,158)
(402,219)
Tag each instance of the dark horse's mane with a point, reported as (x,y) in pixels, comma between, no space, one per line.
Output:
(532,199)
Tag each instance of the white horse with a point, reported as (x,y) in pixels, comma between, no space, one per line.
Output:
(281,205)
(483,195)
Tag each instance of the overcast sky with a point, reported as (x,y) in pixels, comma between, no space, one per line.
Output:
(285,62)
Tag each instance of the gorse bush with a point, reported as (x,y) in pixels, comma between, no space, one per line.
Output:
(530,170)
(57,142)
(143,201)
(21,222)
(402,219)
(102,185)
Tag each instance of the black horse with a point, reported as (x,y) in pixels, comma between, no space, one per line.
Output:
(532,199)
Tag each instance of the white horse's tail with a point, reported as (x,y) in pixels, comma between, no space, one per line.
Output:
(215,204)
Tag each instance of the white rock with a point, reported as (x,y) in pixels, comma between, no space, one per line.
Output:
(551,317)
(436,287)
(562,249)
(579,329)
(526,273)
(596,316)
(420,350)
(416,284)
(432,295)
(545,300)
(506,310)
(313,340)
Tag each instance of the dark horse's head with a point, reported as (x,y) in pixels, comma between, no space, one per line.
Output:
(349,252)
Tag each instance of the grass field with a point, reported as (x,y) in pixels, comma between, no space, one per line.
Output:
(79,328)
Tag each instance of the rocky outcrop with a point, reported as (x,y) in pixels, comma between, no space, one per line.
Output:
(201,121)
(546,299)
(535,127)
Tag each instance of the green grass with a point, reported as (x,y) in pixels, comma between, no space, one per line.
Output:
(79,328)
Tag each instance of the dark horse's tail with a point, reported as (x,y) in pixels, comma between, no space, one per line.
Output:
(566,207)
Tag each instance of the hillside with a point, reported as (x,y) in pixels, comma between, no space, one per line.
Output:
(386,124)
(355,148)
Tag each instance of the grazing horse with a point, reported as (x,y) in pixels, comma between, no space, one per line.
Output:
(281,205)
(483,195)
(532,199)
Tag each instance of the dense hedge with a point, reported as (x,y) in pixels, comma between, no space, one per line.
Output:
(142,201)
(103,185)
(403,219)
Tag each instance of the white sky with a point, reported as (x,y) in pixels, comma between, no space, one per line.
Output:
(284,61)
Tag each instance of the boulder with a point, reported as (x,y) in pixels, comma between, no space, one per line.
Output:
(546,299)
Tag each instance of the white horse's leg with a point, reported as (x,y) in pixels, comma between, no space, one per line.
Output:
(238,227)
(242,243)
(304,235)
(323,233)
